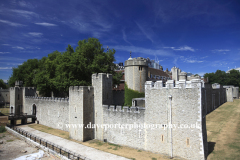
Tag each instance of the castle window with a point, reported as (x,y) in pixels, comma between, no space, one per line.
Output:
(188,142)
(162,139)
(140,68)
(18,96)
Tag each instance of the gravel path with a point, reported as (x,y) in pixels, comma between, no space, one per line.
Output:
(85,151)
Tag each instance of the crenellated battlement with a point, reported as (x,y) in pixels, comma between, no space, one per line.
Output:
(102,75)
(19,88)
(195,83)
(4,90)
(56,99)
(126,109)
(136,62)
(80,88)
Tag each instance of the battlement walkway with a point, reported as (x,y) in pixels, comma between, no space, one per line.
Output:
(88,152)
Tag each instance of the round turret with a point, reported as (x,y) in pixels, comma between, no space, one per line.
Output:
(183,76)
(136,70)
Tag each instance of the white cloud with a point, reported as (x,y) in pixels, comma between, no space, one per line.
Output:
(125,37)
(5,67)
(190,60)
(204,57)
(201,73)
(12,64)
(17,47)
(183,48)
(36,34)
(137,50)
(25,4)
(145,32)
(26,14)
(220,50)
(11,23)
(7,59)
(46,24)
(4,52)
(6,44)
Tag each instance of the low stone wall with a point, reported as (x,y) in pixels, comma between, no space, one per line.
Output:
(119,126)
(52,112)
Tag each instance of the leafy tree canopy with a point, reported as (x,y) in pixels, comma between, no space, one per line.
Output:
(3,85)
(223,78)
(58,71)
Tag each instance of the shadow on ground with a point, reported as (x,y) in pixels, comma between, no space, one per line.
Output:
(211,146)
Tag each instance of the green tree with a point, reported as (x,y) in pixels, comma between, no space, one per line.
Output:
(223,78)
(233,78)
(45,77)
(2,84)
(76,67)
(25,72)
(58,71)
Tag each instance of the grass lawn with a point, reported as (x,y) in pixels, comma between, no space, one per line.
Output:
(4,110)
(223,131)
(123,151)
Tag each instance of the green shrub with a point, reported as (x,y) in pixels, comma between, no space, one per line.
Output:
(130,94)
(2,129)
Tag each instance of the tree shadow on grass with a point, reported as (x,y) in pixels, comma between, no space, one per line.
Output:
(211,146)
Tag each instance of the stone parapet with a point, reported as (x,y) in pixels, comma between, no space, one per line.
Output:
(48,98)
(136,62)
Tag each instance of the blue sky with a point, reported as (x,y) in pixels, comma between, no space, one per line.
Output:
(198,36)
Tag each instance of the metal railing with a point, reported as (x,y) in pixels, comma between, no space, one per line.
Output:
(56,148)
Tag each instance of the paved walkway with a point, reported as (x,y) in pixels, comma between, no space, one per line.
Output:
(86,151)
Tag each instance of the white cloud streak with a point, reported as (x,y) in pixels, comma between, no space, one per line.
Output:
(26,14)
(144,32)
(125,37)
(183,48)
(12,23)
(17,47)
(1,68)
(190,60)
(35,34)
(4,52)
(137,50)
(220,50)
(46,24)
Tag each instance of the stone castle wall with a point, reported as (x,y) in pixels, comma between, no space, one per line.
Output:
(16,99)
(213,97)
(4,96)
(102,84)
(116,130)
(81,112)
(179,106)
(52,112)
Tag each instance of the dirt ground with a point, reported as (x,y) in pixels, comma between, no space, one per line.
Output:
(11,147)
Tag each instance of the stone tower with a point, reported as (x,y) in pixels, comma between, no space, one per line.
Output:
(136,73)
(175,73)
(102,84)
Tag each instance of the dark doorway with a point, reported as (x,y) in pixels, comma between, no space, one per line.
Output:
(34,110)
(11,111)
